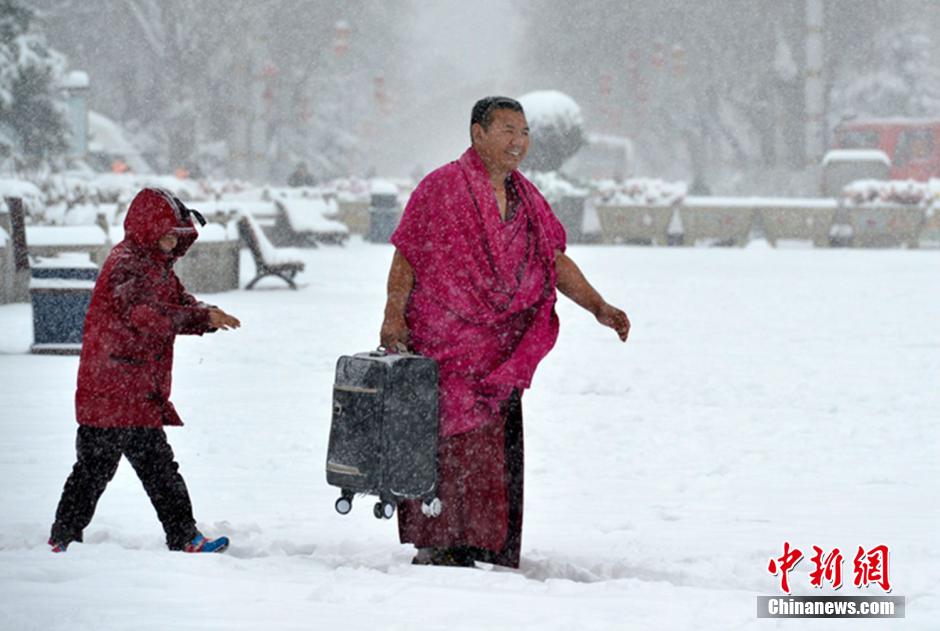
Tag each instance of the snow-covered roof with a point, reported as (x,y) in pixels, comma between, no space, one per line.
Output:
(856,155)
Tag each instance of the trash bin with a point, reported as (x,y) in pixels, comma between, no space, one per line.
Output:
(383,216)
(60,292)
(844,166)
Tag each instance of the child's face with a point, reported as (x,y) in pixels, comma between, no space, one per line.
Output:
(168,242)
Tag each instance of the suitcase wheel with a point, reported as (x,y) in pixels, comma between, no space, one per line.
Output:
(343,505)
(383,510)
(432,507)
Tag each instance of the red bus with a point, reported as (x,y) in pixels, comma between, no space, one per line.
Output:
(912,144)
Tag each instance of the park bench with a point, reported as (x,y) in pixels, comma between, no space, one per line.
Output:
(304,221)
(269,261)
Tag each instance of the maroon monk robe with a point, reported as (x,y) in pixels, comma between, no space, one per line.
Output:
(483,307)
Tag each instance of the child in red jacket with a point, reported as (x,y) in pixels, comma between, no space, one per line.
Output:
(122,401)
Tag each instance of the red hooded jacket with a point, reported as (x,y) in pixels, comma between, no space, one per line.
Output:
(137,308)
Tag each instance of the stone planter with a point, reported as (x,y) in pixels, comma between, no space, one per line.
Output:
(885,226)
(721,221)
(805,220)
(209,267)
(634,224)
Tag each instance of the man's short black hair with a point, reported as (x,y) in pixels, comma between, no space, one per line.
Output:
(483,109)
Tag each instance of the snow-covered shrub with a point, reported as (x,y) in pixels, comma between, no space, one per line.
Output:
(897,79)
(555,129)
(32,196)
(887,192)
(639,192)
(554,186)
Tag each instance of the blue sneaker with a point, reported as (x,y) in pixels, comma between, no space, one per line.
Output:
(201,544)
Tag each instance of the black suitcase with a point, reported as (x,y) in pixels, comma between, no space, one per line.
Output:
(383,437)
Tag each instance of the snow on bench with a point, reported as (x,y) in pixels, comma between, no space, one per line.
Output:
(53,240)
(221,210)
(51,236)
(307,220)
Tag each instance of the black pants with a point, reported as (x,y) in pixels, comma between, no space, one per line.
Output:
(99,451)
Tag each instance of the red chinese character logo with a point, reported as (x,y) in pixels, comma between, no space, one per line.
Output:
(828,568)
(872,567)
(784,564)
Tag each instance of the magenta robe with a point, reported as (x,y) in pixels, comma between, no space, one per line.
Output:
(483,306)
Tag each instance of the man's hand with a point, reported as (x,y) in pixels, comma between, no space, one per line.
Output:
(611,316)
(218,319)
(394,334)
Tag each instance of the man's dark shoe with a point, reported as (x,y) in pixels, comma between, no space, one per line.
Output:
(423,557)
(457,556)
(452,557)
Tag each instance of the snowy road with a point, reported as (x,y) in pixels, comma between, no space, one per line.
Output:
(765,395)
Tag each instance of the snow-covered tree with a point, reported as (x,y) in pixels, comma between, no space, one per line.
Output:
(897,79)
(32,125)
(241,86)
(707,91)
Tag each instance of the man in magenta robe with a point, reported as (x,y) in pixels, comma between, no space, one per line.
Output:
(479,255)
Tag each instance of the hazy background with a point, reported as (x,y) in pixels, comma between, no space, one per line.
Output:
(712,92)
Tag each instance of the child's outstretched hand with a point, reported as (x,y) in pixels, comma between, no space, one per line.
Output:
(218,319)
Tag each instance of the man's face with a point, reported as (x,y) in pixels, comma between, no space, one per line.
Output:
(168,242)
(504,144)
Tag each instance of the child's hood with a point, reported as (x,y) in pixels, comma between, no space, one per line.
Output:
(154,213)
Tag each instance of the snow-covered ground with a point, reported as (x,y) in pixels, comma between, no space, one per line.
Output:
(765,395)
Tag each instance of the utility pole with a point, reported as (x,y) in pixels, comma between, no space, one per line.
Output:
(815,85)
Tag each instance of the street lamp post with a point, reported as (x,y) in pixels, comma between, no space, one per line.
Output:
(75,85)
